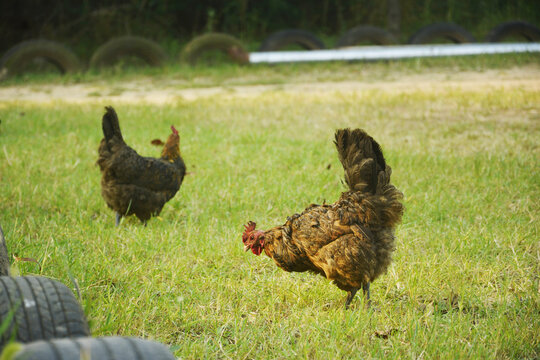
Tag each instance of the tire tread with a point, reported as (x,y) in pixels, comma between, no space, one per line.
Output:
(105,348)
(43,309)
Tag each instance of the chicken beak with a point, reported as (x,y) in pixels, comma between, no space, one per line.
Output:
(246,247)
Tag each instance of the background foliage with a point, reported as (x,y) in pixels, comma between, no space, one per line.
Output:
(91,23)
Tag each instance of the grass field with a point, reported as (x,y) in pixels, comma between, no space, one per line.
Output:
(465,281)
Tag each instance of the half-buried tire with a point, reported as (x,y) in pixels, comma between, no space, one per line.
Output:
(124,46)
(366,34)
(514,29)
(16,59)
(442,31)
(106,348)
(281,39)
(225,43)
(38,308)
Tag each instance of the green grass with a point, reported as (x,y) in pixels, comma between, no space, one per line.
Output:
(465,278)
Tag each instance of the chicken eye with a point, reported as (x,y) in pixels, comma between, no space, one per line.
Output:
(250,237)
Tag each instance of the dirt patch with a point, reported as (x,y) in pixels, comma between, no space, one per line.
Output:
(168,92)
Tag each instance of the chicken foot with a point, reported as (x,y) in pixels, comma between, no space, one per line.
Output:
(119,217)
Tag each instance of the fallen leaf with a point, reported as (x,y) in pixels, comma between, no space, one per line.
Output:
(28,259)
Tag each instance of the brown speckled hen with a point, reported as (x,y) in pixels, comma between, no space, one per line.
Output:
(132,184)
(351,241)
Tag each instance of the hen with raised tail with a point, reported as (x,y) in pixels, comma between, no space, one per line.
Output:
(350,241)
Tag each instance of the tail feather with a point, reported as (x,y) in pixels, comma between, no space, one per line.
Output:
(362,160)
(110,125)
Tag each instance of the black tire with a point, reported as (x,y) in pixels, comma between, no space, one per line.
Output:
(366,33)
(448,31)
(4,257)
(515,29)
(39,308)
(281,39)
(115,49)
(19,56)
(214,41)
(105,348)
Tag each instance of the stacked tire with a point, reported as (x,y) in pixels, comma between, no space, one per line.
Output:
(40,318)
(45,317)
(105,348)
(38,308)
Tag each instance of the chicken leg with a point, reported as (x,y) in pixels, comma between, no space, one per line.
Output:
(351,293)
(365,288)
(118,217)
(350,296)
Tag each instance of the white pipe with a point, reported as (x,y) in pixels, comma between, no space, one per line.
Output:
(391,52)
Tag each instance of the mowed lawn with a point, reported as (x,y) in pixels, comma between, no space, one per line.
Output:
(465,278)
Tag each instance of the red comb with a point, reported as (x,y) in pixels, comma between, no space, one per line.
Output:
(248,228)
(175,132)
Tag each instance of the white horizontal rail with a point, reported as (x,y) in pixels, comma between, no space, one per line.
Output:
(391,52)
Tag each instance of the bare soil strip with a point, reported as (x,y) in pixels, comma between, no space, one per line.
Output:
(163,92)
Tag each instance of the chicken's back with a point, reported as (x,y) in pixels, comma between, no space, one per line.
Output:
(322,239)
(126,166)
(132,184)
